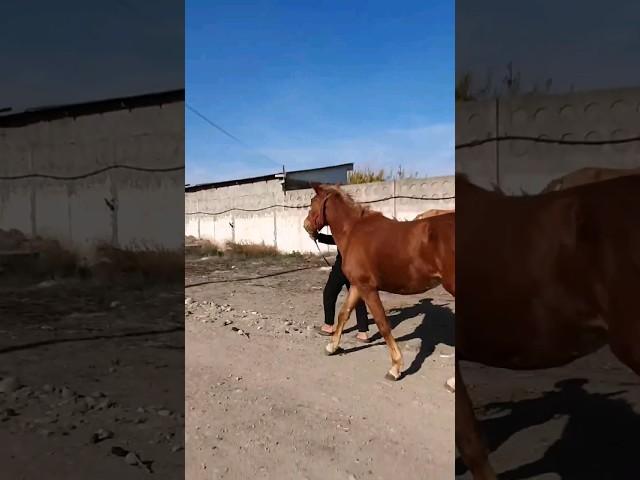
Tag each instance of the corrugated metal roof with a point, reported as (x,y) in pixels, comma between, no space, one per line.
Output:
(261,178)
(53,112)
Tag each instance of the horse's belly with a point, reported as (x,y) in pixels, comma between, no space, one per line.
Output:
(409,282)
(531,348)
(410,288)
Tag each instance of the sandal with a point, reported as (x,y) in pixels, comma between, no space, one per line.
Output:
(322,332)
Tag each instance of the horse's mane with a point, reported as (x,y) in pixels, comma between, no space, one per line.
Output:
(363,210)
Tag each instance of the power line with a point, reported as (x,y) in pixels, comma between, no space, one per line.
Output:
(230,135)
(307,206)
(409,197)
(557,141)
(94,172)
(216,126)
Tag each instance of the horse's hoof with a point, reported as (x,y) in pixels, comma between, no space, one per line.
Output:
(450,385)
(329,350)
(391,377)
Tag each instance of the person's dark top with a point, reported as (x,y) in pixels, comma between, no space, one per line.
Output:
(328,240)
(325,239)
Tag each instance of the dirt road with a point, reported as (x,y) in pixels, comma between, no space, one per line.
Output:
(578,422)
(91,382)
(86,371)
(263,401)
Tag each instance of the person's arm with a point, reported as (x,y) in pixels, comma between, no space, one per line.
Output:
(325,239)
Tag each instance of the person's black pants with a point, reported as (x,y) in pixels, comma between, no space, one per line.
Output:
(336,281)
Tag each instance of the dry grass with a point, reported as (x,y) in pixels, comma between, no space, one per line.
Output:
(149,264)
(55,260)
(250,250)
(205,248)
(367,175)
(36,257)
(44,258)
(41,258)
(201,248)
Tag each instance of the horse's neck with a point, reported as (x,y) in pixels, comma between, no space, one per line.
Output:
(341,220)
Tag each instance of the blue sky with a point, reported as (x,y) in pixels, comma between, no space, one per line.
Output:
(309,84)
(72,51)
(594,46)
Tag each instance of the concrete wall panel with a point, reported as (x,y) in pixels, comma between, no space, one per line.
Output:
(519,166)
(75,211)
(283,226)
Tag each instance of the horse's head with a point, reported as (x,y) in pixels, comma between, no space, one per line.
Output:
(316,218)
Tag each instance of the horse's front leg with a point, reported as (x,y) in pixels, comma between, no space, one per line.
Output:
(468,439)
(372,299)
(345,312)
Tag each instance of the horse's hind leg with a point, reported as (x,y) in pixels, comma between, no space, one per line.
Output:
(624,339)
(372,299)
(472,449)
(628,351)
(624,321)
(345,312)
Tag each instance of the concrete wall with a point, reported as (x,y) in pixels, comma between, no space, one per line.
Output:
(281,226)
(74,211)
(529,166)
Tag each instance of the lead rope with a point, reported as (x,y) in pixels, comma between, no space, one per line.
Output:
(320,252)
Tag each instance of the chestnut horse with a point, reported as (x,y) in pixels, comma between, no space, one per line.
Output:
(543,280)
(381,254)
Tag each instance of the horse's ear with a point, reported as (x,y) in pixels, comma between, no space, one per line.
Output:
(316,187)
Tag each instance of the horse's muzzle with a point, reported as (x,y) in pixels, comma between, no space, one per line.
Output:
(308,227)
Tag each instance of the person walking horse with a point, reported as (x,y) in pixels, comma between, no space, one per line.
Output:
(332,289)
(424,259)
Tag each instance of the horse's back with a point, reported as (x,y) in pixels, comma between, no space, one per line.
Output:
(431,213)
(586,176)
(401,257)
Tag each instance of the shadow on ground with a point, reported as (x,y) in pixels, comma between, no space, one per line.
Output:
(437,326)
(599,440)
